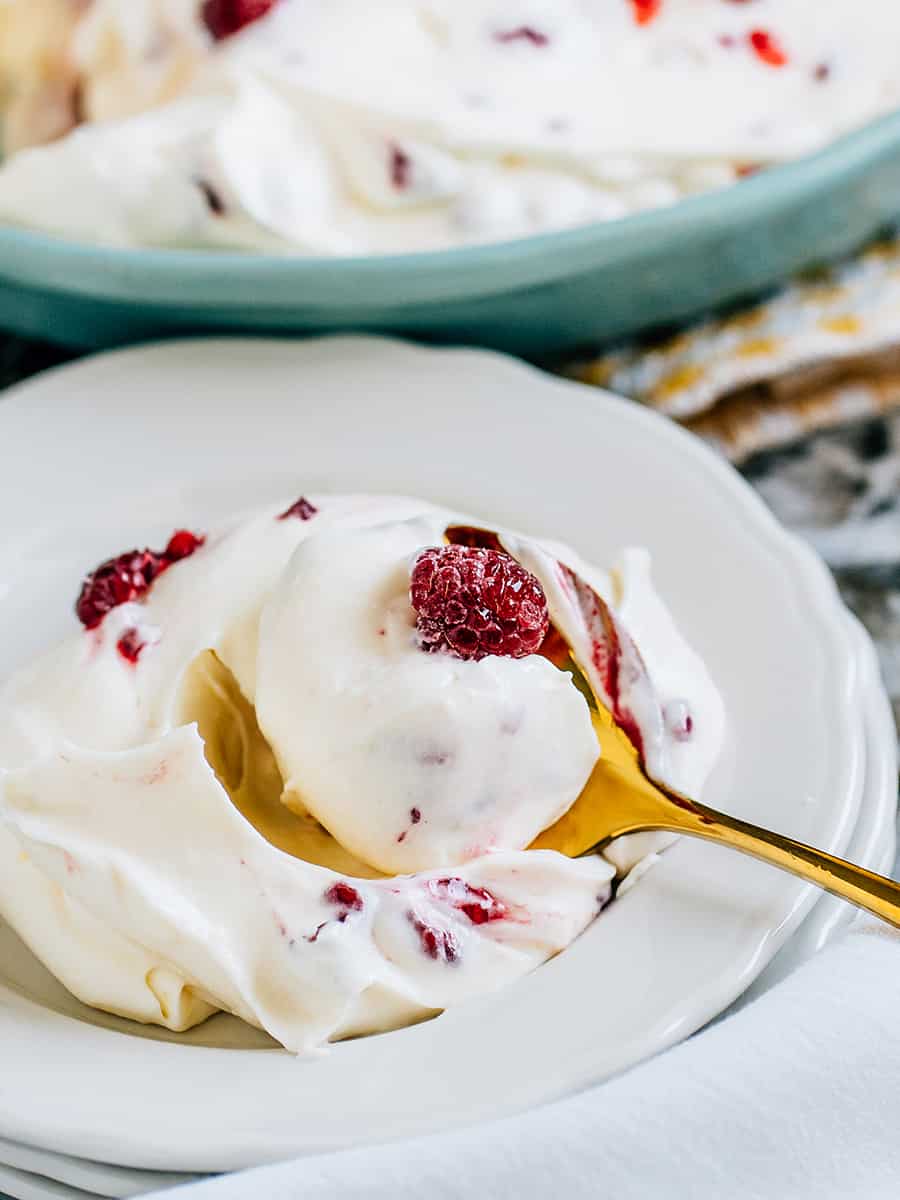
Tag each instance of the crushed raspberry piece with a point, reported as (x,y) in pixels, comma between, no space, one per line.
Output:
(609,643)
(415,816)
(645,10)
(400,167)
(476,602)
(130,645)
(116,581)
(129,576)
(182,544)
(679,720)
(303,508)
(524,33)
(441,944)
(767,48)
(224,17)
(212,196)
(345,896)
(478,904)
(821,72)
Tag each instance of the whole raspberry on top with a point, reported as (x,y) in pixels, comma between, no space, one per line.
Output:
(225,17)
(476,602)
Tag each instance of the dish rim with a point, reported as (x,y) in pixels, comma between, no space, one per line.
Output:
(146,1148)
(538,258)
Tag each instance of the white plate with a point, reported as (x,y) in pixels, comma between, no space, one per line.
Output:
(42,1175)
(118,450)
(39,1174)
(872,845)
(66,1177)
(874,840)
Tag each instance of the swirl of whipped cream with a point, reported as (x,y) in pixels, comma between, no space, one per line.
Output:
(202,795)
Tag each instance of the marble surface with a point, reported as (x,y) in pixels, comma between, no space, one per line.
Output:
(839,490)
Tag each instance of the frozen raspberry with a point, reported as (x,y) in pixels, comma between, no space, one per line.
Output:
(344,895)
(476,602)
(224,17)
(441,944)
(303,509)
(478,904)
(128,577)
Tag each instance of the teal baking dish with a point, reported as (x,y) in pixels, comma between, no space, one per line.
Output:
(536,296)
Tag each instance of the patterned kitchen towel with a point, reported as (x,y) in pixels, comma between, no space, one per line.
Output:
(822,352)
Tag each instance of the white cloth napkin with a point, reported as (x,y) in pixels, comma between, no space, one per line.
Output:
(795,1097)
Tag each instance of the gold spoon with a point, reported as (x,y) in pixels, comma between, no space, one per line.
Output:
(619,798)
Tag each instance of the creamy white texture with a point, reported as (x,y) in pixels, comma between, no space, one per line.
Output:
(239,925)
(345,127)
(152,891)
(482,754)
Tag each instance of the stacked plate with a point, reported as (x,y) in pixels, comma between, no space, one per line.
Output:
(135,443)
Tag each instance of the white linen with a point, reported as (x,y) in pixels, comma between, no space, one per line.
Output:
(795,1096)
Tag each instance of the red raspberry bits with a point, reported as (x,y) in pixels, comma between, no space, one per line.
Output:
(476,602)
(478,904)
(224,17)
(129,577)
(130,645)
(439,944)
(400,167)
(116,581)
(646,10)
(344,895)
(182,544)
(524,33)
(767,47)
(303,509)
(212,196)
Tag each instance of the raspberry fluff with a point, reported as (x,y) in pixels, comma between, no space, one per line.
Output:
(241,785)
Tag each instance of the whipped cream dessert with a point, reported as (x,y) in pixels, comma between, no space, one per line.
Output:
(291,769)
(342,127)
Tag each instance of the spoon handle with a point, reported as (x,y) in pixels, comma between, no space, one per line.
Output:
(875,893)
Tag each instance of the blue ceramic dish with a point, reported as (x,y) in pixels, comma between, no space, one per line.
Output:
(535,296)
